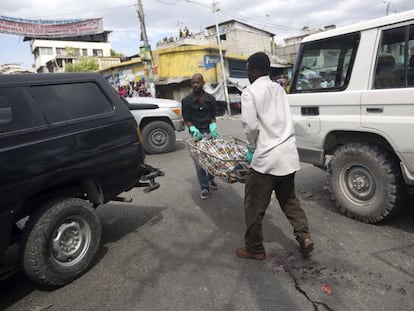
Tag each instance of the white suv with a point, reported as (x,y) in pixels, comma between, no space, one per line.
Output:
(158,120)
(352,100)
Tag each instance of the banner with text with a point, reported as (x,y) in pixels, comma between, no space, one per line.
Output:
(50,28)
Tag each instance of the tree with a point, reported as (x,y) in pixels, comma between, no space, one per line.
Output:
(71,51)
(85,65)
(114,53)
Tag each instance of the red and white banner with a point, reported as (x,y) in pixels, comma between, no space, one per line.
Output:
(49,28)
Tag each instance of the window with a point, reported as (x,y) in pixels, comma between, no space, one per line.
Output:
(45,51)
(97,52)
(60,51)
(326,64)
(237,68)
(15,111)
(71,101)
(410,57)
(395,61)
(84,52)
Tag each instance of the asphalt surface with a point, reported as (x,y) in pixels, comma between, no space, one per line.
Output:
(170,250)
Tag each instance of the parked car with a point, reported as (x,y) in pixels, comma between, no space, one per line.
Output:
(158,120)
(67,145)
(352,100)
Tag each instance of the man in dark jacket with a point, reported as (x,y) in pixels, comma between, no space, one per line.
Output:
(199,114)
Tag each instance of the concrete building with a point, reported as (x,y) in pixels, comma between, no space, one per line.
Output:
(46,50)
(176,59)
(59,63)
(290,50)
(241,39)
(13,69)
(126,73)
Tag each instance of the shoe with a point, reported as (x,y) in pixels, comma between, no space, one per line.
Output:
(204,194)
(244,252)
(306,247)
(213,185)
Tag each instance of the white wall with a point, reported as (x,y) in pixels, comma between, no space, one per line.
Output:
(41,60)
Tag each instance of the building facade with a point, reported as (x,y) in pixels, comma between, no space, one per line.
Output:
(46,50)
(241,39)
(13,68)
(176,59)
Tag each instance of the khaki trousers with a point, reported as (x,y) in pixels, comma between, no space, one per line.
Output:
(258,191)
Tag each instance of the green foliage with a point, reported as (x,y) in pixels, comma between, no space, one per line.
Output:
(114,53)
(85,65)
(71,51)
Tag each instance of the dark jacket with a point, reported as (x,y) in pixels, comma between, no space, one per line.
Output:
(199,114)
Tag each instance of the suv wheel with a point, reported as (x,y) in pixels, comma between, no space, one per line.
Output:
(365,182)
(158,137)
(60,241)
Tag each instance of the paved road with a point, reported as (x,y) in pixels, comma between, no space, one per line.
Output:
(169,250)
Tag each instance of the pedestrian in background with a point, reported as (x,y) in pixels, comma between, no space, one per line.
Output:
(199,114)
(274,159)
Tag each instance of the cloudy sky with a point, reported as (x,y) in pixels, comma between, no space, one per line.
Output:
(163,18)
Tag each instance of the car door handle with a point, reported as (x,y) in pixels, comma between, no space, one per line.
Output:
(310,111)
(375,110)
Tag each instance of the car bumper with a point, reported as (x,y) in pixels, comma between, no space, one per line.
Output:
(178,125)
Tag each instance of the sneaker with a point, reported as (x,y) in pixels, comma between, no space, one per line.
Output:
(213,185)
(306,247)
(244,252)
(204,194)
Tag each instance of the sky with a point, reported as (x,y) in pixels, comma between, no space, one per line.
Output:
(164,18)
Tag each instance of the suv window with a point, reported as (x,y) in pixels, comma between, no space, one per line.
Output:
(65,102)
(15,111)
(395,61)
(326,64)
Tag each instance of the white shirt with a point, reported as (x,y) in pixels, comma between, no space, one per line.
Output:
(268,126)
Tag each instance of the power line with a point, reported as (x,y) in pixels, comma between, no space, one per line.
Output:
(235,16)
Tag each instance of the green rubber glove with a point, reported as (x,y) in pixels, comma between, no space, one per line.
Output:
(249,155)
(195,132)
(213,130)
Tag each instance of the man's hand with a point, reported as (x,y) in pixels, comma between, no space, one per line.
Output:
(213,130)
(195,132)
(249,155)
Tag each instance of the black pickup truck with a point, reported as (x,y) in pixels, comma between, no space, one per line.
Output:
(68,143)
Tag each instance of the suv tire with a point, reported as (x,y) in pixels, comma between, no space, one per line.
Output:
(158,137)
(60,241)
(365,182)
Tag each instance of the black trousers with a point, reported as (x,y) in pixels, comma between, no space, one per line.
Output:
(258,192)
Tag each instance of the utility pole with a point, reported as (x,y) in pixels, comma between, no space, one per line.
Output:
(147,47)
(387,10)
(226,94)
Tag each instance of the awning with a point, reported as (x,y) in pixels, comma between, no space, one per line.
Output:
(171,80)
(274,65)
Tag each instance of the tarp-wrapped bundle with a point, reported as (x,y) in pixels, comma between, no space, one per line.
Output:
(222,157)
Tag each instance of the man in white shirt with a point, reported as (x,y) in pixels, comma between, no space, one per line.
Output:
(274,158)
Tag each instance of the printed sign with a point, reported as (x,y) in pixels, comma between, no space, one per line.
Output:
(210,61)
(50,28)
